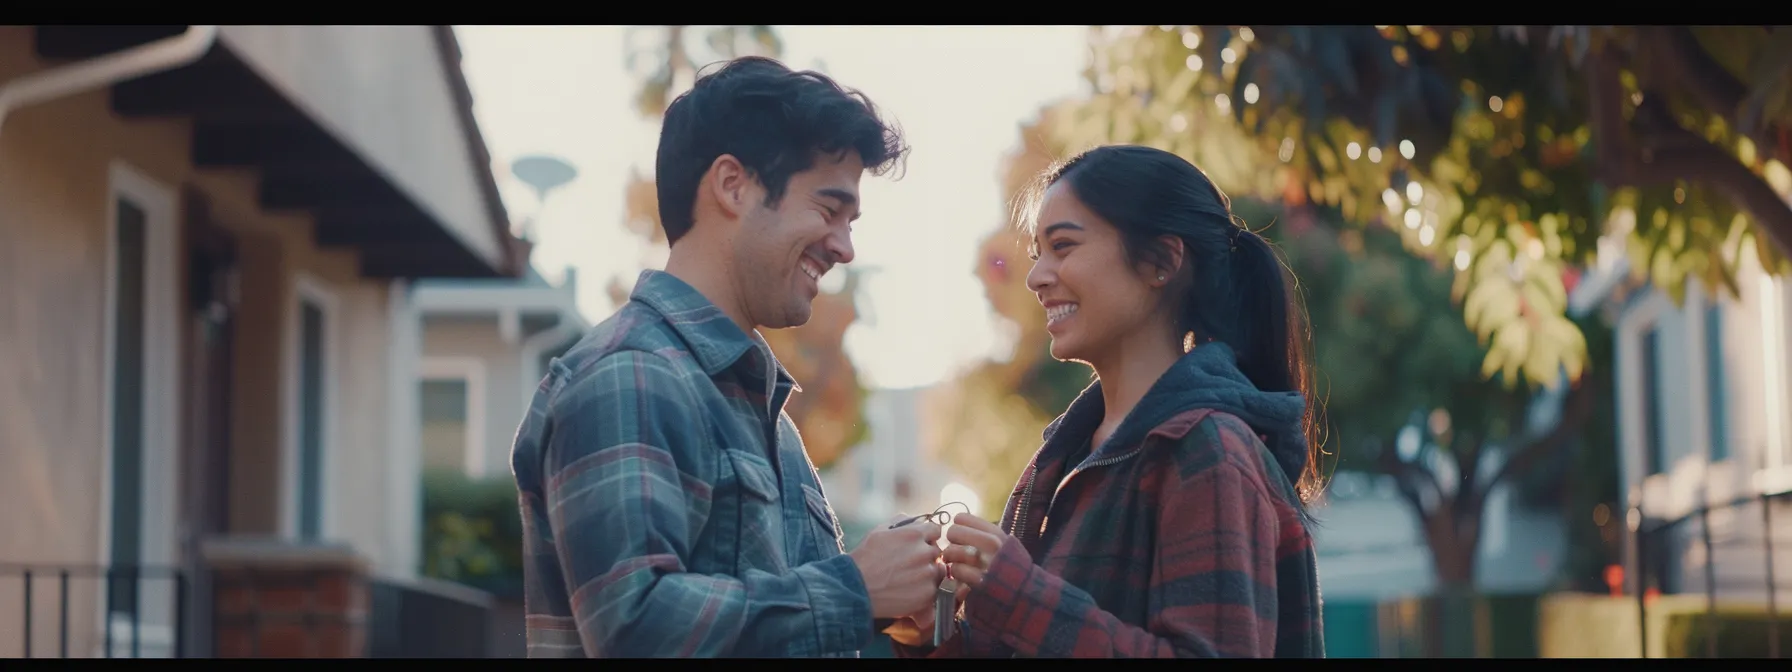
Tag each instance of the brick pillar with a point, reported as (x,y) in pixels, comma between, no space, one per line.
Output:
(281,599)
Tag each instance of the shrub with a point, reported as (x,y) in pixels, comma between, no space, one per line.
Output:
(1741,633)
(472,531)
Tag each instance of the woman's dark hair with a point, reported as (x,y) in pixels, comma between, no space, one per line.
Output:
(1234,287)
(775,121)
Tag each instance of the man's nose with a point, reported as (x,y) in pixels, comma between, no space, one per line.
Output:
(839,244)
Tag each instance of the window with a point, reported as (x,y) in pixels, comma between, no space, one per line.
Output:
(311,419)
(130,233)
(1717,396)
(451,408)
(313,394)
(444,409)
(1654,455)
(1773,366)
(140,405)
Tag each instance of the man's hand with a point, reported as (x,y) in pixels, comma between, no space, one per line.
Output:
(972,543)
(916,629)
(901,568)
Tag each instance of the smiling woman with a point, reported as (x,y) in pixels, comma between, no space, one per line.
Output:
(1188,462)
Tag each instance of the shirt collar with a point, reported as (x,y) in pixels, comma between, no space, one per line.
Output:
(714,339)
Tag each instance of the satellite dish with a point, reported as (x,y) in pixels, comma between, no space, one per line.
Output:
(543,173)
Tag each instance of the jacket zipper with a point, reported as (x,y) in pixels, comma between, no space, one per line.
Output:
(1027,495)
(1026,502)
(1026,498)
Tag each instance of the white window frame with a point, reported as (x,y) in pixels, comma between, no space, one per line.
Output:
(471,371)
(1633,407)
(1773,468)
(308,288)
(161,393)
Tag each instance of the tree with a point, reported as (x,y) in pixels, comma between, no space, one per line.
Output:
(1401,384)
(1515,152)
(1391,349)
(829,410)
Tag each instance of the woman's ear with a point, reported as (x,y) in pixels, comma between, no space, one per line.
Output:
(1170,261)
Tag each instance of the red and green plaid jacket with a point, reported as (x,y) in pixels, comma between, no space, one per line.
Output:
(1189,544)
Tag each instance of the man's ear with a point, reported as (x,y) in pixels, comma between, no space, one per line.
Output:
(730,184)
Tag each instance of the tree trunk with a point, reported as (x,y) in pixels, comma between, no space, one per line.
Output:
(1453,532)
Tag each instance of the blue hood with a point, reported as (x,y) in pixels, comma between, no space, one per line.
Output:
(1205,378)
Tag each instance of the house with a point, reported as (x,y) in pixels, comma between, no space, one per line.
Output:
(890,472)
(1703,407)
(207,239)
(485,348)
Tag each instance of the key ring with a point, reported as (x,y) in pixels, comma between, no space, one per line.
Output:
(939,516)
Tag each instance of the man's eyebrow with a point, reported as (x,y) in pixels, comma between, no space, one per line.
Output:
(846,198)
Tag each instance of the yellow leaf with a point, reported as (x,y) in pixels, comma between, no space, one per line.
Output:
(1493,362)
(1542,358)
(1515,339)
(1490,306)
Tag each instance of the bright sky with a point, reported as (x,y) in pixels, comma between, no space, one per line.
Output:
(960,94)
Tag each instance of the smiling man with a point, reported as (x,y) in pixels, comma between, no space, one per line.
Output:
(668,506)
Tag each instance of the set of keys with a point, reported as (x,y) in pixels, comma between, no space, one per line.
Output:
(945,611)
(945,600)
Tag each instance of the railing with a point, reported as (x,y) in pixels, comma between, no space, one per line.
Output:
(147,612)
(124,594)
(1648,532)
(426,618)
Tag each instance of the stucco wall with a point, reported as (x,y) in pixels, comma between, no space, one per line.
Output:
(506,393)
(56,160)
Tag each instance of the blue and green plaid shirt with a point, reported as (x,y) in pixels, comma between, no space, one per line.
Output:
(669,508)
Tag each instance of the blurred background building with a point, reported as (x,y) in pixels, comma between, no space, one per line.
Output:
(272,305)
(214,234)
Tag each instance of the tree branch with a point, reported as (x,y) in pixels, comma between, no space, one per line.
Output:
(1468,492)
(1468,460)
(1408,476)
(1577,408)
(1611,140)
(1670,153)
(1684,60)
(1664,152)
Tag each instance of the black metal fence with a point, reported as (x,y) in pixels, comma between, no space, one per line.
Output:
(137,612)
(1654,541)
(426,618)
(117,595)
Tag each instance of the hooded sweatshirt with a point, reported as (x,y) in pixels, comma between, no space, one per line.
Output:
(1181,536)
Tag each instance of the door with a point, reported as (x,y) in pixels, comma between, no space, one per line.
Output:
(211,329)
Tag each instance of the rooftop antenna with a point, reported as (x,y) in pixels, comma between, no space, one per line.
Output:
(544,174)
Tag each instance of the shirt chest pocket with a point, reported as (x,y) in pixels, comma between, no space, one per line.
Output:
(824,525)
(749,523)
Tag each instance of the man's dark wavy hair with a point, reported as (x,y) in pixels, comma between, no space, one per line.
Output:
(775,121)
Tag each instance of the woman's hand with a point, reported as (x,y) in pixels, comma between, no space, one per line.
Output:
(972,543)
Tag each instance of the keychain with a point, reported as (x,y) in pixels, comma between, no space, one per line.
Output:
(939,516)
(945,602)
(945,611)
